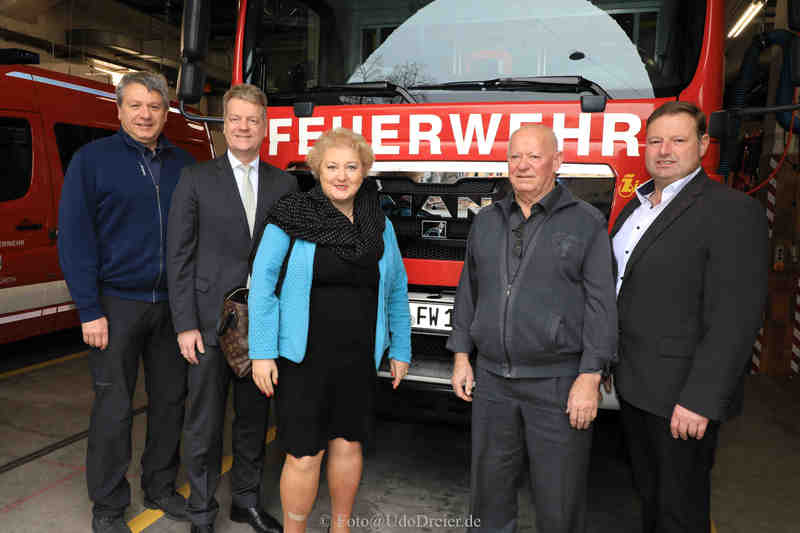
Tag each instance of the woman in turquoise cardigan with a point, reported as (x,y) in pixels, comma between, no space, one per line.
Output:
(343,304)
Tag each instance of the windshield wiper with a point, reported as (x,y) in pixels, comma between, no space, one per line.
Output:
(367,88)
(556,84)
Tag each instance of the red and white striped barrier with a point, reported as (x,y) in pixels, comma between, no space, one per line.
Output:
(772,194)
(755,362)
(795,363)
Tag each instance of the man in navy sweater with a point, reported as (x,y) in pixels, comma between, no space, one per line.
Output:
(111,246)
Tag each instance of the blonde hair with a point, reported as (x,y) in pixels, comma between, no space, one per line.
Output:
(248,93)
(340,138)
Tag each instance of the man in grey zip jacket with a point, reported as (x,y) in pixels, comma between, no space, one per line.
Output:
(536,303)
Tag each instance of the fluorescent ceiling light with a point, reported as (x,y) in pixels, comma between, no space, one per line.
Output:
(115,71)
(748,15)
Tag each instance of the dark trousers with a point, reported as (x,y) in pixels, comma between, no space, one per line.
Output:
(205,417)
(136,329)
(512,418)
(673,476)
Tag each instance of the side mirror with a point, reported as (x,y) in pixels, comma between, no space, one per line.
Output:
(191,81)
(195,30)
(593,103)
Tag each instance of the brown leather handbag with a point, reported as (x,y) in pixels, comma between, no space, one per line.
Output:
(233,323)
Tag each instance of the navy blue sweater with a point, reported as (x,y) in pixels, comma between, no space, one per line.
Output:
(112,221)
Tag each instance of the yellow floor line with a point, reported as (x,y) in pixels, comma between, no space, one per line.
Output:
(37,366)
(148,517)
(713,527)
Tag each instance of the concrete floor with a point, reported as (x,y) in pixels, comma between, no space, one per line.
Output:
(416,472)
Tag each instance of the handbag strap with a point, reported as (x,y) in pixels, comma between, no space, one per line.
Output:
(284,265)
(256,241)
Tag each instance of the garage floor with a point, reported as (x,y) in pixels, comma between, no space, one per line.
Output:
(416,475)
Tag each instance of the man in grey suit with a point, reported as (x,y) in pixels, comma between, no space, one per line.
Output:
(691,257)
(215,210)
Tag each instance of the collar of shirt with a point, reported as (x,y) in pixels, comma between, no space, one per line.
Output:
(546,204)
(161,144)
(239,176)
(647,188)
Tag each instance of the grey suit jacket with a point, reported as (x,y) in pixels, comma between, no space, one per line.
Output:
(691,302)
(208,240)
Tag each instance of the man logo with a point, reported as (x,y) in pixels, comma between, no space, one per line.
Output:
(628,185)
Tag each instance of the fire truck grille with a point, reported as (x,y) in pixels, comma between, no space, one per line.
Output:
(466,186)
(429,347)
(433,251)
(405,229)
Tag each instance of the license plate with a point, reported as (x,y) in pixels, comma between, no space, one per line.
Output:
(431,316)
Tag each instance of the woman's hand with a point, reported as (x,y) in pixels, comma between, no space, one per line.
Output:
(265,375)
(399,371)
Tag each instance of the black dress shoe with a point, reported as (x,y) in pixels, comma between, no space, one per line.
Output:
(109,524)
(208,528)
(173,506)
(260,521)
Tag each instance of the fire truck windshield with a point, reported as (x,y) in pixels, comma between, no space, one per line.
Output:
(441,50)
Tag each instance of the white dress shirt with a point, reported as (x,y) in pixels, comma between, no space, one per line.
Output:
(238,174)
(642,217)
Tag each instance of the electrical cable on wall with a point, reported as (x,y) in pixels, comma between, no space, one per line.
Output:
(783,157)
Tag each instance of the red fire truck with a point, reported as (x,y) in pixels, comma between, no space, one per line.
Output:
(438,86)
(45,117)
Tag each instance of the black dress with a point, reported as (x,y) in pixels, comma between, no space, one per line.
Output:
(330,393)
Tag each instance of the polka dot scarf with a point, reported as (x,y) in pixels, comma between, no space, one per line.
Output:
(310,216)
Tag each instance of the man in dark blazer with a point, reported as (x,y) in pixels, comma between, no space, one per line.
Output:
(216,207)
(691,257)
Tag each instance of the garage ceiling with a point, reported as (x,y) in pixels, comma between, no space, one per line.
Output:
(223,17)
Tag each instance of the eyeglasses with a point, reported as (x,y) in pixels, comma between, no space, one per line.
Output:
(517,240)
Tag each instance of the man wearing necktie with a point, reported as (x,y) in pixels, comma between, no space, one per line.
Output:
(215,209)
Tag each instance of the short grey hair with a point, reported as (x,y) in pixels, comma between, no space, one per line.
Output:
(152,81)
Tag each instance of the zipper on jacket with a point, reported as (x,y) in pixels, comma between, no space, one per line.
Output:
(160,241)
(505,325)
(160,229)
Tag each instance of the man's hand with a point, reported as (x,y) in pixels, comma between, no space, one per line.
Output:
(686,423)
(583,399)
(189,341)
(399,371)
(265,375)
(95,332)
(462,379)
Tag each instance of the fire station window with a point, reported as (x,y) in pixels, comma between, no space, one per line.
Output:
(70,137)
(16,153)
(372,38)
